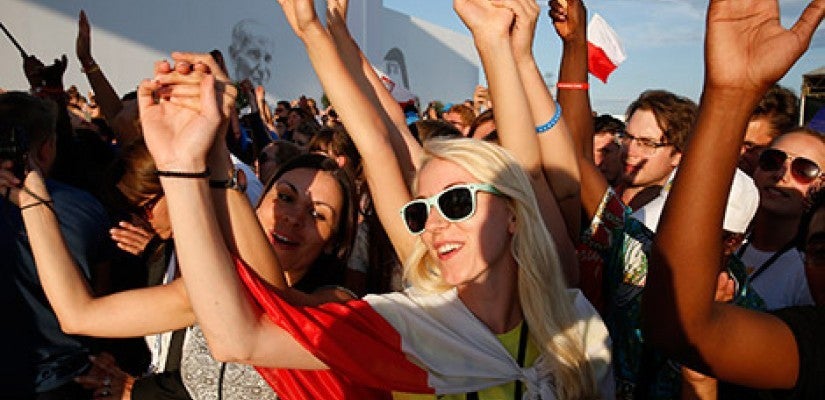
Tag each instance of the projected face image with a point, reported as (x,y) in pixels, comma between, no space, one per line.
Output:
(251,52)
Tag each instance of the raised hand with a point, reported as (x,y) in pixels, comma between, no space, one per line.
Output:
(33,69)
(301,16)
(524,26)
(83,44)
(746,47)
(569,19)
(482,16)
(178,137)
(53,74)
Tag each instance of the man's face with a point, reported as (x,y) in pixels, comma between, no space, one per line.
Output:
(645,165)
(253,61)
(757,137)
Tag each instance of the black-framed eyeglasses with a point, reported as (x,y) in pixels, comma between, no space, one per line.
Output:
(802,169)
(455,204)
(647,145)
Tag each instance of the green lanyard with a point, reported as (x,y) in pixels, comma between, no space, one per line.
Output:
(522,350)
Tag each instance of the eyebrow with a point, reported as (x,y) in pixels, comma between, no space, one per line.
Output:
(447,186)
(314,202)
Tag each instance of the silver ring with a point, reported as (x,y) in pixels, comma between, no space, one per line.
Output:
(105,393)
(107,381)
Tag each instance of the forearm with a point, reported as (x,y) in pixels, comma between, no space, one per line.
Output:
(105,95)
(406,148)
(558,156)
(369,133)
(514,125)
(117,315)
(578,117)
(224,312)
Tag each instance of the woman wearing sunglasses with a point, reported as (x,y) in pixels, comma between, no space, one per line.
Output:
(488,313)
(786,172)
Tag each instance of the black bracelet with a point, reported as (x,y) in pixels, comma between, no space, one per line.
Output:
(179,174)
(48,203)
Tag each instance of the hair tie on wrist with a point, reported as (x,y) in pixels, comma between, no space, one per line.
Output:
(573,85)
(183,174)
(93,67)
(552,122)
(48,203)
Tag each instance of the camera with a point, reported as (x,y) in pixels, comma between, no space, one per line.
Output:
(14,146)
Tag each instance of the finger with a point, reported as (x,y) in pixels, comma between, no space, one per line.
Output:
(183,67)
(125,237)
(809,20)
(203,58)
(209,102)
(145,94)
(129,248)
(162,67)
(201,67)
(136,229)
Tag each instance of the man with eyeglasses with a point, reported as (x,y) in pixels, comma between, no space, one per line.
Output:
(787,170)
(657,125)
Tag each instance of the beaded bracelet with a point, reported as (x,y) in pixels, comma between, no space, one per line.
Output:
(178,174)
(552,122)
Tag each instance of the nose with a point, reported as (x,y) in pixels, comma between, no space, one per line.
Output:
(435,221)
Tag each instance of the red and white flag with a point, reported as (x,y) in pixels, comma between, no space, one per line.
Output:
(410,342)
(604,48)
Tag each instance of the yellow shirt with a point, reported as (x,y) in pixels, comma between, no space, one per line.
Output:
(502,392)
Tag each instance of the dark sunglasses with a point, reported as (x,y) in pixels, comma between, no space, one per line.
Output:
(455,204)
(802,169)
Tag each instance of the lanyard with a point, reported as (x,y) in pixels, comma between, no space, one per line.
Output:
(767,262)
(522,350)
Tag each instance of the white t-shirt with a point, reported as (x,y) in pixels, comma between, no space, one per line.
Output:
(783,283)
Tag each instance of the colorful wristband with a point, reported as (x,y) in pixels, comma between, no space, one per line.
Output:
(552,122)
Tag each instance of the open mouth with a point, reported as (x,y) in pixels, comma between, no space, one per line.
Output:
(447,250)
(280,239)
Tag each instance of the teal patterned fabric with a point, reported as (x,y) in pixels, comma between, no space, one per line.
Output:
(624,245)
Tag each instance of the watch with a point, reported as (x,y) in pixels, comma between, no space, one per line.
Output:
(236,182)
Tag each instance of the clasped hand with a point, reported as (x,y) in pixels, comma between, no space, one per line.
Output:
(180,114)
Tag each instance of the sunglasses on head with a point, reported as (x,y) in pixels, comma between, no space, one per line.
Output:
(455,204)
(802,169)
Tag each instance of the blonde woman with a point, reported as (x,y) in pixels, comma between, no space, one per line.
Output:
(488,312)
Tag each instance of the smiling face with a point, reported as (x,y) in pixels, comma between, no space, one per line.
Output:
(466,252)
(300,215)
(780,193)
(643,168)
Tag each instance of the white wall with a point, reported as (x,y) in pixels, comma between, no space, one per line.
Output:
(128,36)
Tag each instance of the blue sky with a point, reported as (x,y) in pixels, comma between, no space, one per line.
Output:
(664,52)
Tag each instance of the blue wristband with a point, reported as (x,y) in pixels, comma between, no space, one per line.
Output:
(552,122)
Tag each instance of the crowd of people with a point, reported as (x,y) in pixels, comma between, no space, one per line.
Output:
(188,240)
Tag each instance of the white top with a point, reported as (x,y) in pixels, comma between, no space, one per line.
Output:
(783,283)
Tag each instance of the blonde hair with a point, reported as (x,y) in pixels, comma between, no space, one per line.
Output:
(551,319)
